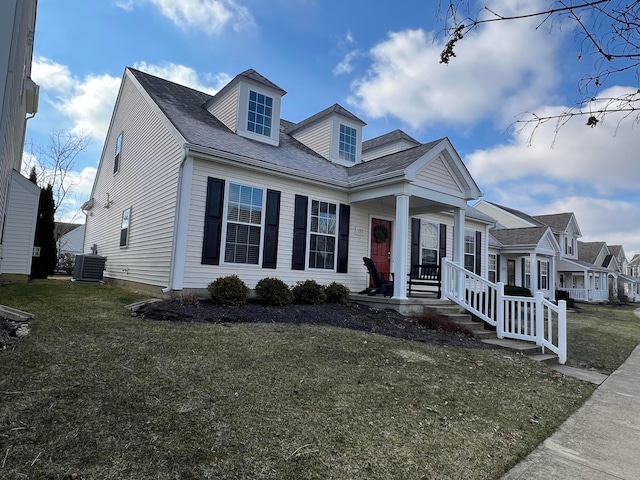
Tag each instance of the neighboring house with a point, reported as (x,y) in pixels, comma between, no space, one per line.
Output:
(634,266)
(69,237)
(598,253)
(18,102)
(517,234)
(191,187)
(627,284)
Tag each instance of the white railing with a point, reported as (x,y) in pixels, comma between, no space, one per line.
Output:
(533,319)
(588,295)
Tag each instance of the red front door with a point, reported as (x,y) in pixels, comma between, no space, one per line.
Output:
(381,246)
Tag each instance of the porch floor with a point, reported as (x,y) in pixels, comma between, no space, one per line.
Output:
(405,306)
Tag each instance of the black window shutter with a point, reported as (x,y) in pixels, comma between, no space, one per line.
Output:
(299,232)
(271,219)
(415,244)
(523,273)
(478,253)
(213,222)
(343,239)
(443,242)
(497,268)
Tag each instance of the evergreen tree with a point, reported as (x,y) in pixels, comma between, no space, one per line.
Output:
(45,264)
(33,176)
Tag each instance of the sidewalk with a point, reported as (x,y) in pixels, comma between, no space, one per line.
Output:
(600,441)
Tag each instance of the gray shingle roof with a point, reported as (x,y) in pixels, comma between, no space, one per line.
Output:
(184,108)
(387,138)
(568,265)
(251,74)
(526,237)
(557,221)
(335,108)
(396,162)
(589,251)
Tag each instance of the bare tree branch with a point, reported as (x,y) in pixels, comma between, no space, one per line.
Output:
(55,162)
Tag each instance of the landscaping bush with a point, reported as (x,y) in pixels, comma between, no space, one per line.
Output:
(184,298)
(66,261)
(623,298)
(564,295)
(273,291)
(336,293)
(229,290)
(309,292)
(514,291)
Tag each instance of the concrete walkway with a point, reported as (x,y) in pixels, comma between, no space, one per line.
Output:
(600,441)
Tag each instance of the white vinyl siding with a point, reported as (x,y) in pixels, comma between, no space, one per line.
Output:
(225,108)
(147,183)
(19,233)
(436,172)
(317,137)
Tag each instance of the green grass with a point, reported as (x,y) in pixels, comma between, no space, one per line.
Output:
(601,337)
(98,393)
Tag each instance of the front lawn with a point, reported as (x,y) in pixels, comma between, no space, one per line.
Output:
(96,393)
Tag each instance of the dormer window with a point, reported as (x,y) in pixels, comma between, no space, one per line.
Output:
(348,142)
(260,113)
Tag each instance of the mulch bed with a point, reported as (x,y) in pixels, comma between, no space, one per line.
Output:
(351,315)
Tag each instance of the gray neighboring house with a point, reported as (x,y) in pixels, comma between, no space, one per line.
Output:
(18,103)
(69,237)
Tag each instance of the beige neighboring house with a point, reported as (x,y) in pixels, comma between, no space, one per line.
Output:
(19,102)
(534,261)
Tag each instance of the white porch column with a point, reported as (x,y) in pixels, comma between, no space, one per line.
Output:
(551,281)
(400,256)
(533,272)
(458,236)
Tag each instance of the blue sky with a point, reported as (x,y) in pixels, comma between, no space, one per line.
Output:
(378,59)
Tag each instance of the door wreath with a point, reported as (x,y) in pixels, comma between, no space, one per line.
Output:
(380,233)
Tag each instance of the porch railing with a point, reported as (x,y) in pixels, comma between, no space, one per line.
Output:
(532,319)
(588,295)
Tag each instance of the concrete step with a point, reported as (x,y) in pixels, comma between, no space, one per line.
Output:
(546,358)
(525,348)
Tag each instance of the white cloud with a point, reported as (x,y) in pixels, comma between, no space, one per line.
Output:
(211,17)
(499,67)
(601,158)
(88,102)
(186,76)
(346,65)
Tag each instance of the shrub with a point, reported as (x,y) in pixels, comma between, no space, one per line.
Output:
(273,291)
(66,262)
(434,321)
(336,293)
(184,298)
(514,291)
(623,298)
(229,290)
(309,292)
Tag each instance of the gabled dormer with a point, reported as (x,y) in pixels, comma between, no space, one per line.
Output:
(565,228)
(335,133)
(392,142)
(249,105)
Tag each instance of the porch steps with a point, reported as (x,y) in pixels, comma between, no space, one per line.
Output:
(487,335)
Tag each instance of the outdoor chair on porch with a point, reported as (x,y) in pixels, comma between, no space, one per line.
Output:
(380,284)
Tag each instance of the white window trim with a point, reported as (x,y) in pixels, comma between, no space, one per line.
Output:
(495,265)
(544,275)
(423,224)
(309,232)
(473,237)
(527,273)
(243,115)
(118,154)
(126,217)
(335,141)
(223,239)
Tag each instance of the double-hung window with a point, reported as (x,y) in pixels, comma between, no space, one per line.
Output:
(470,250)
(322,235)
(244,220)
(527,273)
(544,275)
(260,113)
(124,228)
(347,144)
(492,267)
(429,243)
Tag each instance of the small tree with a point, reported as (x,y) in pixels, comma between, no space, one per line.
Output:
(45,264)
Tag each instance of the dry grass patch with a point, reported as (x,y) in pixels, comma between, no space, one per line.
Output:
(103,395)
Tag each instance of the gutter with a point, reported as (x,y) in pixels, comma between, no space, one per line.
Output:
(176,221)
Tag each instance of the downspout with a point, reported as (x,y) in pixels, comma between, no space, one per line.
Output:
(176,221)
